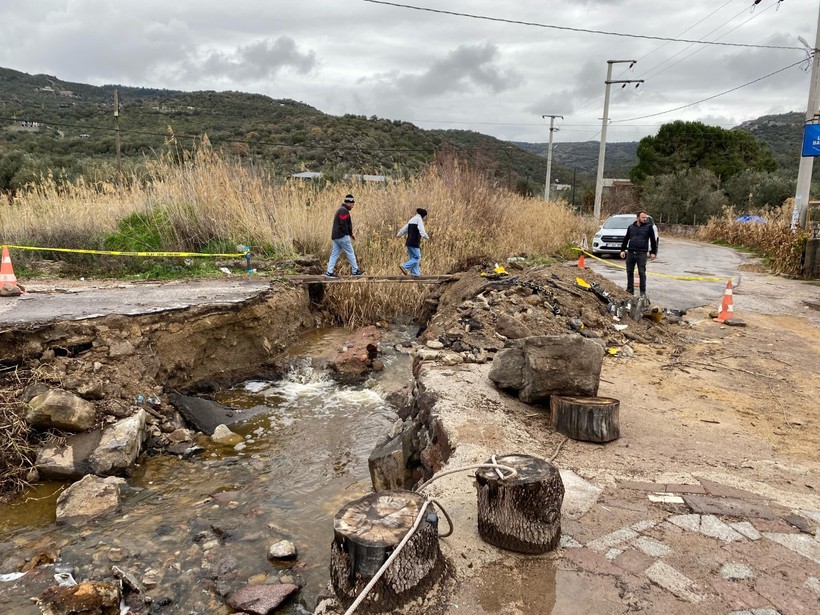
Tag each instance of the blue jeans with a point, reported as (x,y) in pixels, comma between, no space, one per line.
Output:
(412,264)
(345,244)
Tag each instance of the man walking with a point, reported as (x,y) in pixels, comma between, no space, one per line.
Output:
(342,236)
(414,229)
(639,240)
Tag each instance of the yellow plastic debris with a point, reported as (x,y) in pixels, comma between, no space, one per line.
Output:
(613,350)
(582,283)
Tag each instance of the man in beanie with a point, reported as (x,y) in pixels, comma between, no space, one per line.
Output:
(414,229)
(342,236)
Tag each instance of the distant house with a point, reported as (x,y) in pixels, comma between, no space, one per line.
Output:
(84,135)
(29,124)
(617,185)
(307,175)
(47,88)
(562,187)
(66,93)
(362,178)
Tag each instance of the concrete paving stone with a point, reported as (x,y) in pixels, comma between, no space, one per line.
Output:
(707,505)
(685,489)
(715,528)
(638,507)
(579,495)
(814,515)
(805,545)
(568,542)
(774,525)
(633,561)
(686,522)
(590,561)
(739,595)
(724,491)
(747,529)
(613,553)
(765,556)
(799,522)
(665,576)
(736,572)
(813,583)
(765,611)
(665,498)
(604,543)
(652,547)
(639,486)
(642,526)
(785,597)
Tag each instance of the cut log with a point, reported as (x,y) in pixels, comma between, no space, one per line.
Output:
(366,532)
(591,419)
(523,513)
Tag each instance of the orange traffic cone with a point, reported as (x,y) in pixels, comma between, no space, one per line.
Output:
(727,307)
(6,270)
(581,261)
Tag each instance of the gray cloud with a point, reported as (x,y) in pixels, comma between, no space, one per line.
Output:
(466,66)
(258,60)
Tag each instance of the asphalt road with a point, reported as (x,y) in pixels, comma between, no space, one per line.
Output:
(685,258)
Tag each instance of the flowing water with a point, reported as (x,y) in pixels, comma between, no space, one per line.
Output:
(203,526)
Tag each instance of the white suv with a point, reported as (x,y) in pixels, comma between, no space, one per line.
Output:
(610,236)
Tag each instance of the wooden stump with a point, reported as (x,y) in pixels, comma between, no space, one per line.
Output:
(366,532)
(523,513)
(591,419)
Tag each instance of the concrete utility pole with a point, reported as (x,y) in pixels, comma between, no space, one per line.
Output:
(549,154)
(117,132)
(801,197)
(599,180)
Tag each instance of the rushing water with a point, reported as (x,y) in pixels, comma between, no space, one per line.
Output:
(203,526)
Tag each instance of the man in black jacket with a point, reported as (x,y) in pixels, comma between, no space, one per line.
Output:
(639,240)
(342,236)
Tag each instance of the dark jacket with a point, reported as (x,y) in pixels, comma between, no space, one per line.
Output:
(414,229)
(640,238)
(342,224)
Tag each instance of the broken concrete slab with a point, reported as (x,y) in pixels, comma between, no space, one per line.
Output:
(579,495)
(805,545)
(665,576)
(729,507)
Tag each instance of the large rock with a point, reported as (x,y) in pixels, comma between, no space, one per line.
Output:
(261,599)
(98,598)
(87,499)
(539,366)
(206,415)
(120,445)
(69,460)
(60,410)
(358,356)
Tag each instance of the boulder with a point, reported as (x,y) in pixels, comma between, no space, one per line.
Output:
(120,445)
(60,410)
(261,599)
(87,499)
(284,549)
(539,366)
(223,435)
(511,327)
(69,460)
(100,598)
(356,358)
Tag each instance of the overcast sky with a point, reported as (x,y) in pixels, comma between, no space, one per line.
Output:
(435,70)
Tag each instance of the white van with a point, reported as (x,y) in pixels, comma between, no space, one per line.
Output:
(608,239)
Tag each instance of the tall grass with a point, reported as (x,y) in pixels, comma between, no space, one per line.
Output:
(780,247)
(203,202)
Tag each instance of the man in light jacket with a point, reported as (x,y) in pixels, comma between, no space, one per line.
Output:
(414,229)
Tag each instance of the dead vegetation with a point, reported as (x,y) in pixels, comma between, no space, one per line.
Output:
(16,447)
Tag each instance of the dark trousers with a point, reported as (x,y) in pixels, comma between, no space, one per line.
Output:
(632,259)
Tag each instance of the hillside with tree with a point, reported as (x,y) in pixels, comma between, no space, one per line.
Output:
(69,129)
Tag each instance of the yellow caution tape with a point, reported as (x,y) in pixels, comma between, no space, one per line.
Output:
(690,278)
(115,253)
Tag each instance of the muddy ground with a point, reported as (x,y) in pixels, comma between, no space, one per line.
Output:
(719,411)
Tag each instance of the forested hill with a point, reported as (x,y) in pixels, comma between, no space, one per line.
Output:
(46,123)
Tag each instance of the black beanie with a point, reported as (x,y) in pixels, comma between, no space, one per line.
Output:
(421,212)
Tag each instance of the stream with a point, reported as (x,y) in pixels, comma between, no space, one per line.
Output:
(195,530)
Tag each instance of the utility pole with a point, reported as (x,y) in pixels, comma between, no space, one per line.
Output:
(801,196)
(117,132)
(599,180)
(549,154)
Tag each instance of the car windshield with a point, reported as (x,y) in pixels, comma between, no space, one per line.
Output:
(619,222)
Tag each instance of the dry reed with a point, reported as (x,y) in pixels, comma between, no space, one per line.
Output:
(16,451)
(206,200)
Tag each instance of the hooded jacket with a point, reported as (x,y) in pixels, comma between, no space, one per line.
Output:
(342,224)
(414,229)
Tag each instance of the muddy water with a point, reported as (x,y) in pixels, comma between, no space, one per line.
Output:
(202,527)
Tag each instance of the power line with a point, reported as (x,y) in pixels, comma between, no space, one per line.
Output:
(582,30)
(631,119)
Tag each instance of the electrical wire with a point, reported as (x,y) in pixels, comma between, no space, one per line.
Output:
(581,30)
(697,102)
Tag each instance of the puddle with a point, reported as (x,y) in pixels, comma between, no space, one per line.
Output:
(202,527)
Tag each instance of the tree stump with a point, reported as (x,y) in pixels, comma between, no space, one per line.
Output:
(523,513)
(591,419)
(366,532)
